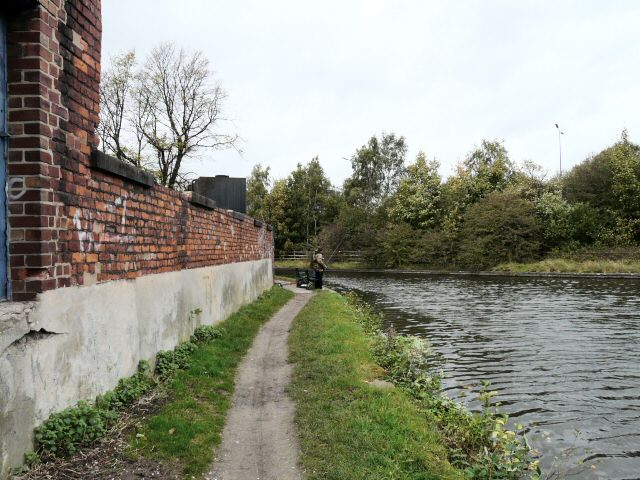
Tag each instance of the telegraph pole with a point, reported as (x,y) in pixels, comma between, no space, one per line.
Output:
(560,133)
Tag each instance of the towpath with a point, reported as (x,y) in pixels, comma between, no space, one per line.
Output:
(259,440)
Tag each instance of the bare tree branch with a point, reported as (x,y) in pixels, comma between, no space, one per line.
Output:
(171,110)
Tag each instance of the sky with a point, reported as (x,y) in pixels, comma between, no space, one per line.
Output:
(306,79)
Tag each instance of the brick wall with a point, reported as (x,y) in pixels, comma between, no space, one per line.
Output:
(70,224)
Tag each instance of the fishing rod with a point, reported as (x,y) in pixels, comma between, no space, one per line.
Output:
(336,249)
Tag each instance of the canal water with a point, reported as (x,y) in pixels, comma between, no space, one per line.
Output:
(563,354)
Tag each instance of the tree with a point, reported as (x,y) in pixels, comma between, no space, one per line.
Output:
(610,183)
(170,109)
(490,168)
(486,169)
(257,191)
(117,129)
(417,201)
(502,227)
(555,214)
(276,212)
(377,169)
(591,181)
(394,246)
(182,108)
(309,192)
(300,205)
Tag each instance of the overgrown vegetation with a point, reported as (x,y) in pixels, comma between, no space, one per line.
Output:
(490,211)
(304,264)
(352,429)
(65,432)
(198,375)
(560,265)
(348,428)
(189,425)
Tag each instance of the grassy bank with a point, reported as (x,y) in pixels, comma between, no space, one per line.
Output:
(304,264)
(189,425)
(160,424)
(563,265)
(350,429)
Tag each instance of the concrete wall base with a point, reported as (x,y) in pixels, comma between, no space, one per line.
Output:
(76,343)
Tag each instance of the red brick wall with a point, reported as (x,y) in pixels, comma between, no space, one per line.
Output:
(69,224)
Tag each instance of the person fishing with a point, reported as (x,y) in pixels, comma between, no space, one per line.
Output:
(319,267)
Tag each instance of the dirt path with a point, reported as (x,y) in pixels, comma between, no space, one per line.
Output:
(259,440)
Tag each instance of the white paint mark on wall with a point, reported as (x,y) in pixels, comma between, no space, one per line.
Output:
(124,211)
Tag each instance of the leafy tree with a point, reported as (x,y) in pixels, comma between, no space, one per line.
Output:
(308,191)
(394,246)
(257,190)
(435,249)
(625,163)
(489,168)
(377,169)
(555,214)
(276,213)
(529,181)
(610,183)
(486,169)
(417,201)
(502,227)
(300,205)
(591,182)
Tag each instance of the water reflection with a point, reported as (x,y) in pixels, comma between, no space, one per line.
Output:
(562,353)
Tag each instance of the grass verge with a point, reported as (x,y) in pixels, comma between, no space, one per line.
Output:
(350,429)
(562,265)
(304,264)
(189,425)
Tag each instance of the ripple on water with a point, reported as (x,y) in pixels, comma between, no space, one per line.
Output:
(562,353)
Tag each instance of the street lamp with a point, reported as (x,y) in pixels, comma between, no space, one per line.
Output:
(560,133)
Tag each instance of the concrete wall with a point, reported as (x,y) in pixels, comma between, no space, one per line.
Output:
(75,343)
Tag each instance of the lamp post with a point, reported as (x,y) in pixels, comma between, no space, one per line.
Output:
(560,133)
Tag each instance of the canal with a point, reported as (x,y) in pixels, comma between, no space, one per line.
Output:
(563,354)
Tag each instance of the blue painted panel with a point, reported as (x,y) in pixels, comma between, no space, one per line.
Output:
(3,158)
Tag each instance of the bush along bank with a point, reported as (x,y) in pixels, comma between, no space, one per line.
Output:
(206,361)
(350,428)
(479,443)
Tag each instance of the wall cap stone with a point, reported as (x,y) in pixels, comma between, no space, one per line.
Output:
(257,223)
(107,163)
(202,201)
(237,215)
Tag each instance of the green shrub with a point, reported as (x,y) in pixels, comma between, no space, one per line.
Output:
(126,392)
(64,432)
(394,246)
(205,334)
(501,227)
(479,443)
(167,362)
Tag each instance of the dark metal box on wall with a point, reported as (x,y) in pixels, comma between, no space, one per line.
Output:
(229,193)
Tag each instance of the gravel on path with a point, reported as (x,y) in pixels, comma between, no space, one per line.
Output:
(259,441)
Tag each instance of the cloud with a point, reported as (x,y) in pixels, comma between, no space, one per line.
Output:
(319,79)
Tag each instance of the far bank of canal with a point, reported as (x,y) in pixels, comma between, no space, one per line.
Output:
(562,353)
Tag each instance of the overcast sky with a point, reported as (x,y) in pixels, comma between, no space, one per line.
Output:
(319,78)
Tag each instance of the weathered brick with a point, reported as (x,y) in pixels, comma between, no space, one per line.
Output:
(70,217)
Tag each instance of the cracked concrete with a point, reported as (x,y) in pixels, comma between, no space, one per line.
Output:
(75,343)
